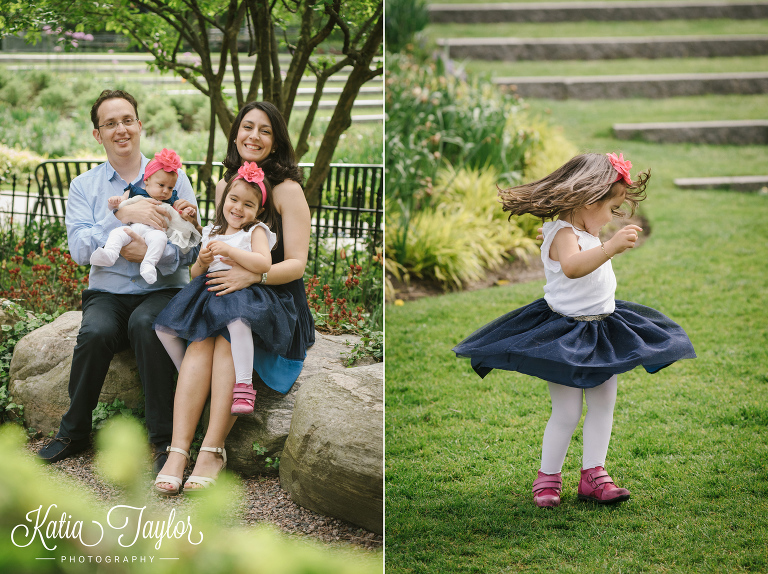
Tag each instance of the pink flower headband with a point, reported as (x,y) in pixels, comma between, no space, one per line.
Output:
(167,160)
(621,166)
(252,173)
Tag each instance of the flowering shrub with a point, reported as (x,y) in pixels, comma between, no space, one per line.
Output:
(44,282)
(332,313)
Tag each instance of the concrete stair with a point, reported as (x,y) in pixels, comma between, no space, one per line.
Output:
(730,132)
(594,11)
(636,86)
(619,86)
(516,49)
(745,183)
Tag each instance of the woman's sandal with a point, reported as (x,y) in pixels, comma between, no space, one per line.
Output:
(173,480)
(243,399)
(204,481)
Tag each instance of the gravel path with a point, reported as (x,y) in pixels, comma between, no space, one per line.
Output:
(265,502)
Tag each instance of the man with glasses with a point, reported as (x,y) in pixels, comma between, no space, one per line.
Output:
(119,307)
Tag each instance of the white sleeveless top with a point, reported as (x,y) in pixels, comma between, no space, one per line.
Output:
(592,294)
(240,240)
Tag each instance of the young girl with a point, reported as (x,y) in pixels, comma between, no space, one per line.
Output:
(160,176)
(578,338)
(195,313)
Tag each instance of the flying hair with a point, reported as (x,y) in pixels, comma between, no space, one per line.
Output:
(583,180)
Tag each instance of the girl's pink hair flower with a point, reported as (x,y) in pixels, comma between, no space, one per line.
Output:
(622,166)
(167,160)
(252,173)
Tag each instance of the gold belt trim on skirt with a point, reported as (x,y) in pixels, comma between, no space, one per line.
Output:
(582,317)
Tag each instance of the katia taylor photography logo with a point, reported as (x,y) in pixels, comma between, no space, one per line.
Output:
(128,523)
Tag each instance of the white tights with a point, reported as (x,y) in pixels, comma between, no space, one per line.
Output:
(241,341)
(567,405)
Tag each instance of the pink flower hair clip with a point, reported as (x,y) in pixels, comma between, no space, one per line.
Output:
(252,173)
(167,160)
(622,166)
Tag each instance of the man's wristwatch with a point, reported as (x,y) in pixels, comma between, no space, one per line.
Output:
(263,279)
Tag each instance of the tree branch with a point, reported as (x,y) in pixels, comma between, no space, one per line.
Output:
(342,115)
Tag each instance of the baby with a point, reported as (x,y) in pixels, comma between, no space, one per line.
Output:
(184,231)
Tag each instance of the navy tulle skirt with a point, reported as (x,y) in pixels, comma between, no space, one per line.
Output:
(196,314)
(537,341)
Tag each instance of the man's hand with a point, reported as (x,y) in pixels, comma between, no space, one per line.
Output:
(540,236)
(185,207)
(136,249)
(147,211)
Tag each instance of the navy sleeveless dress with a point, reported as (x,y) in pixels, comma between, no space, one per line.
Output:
(279,317)
(576,350)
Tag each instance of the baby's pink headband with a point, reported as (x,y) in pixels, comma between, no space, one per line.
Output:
(621,166)
(167,160)
(252,173)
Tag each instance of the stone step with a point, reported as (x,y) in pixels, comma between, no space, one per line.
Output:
(735,183)
(594,11)
(636,86)
(652,47)
(729,132)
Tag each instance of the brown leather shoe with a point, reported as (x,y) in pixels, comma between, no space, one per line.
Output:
(596,486)
(546,490)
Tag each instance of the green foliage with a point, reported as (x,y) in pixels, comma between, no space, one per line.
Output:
(222,543)
(435,119)
(405,18)
(18,323)
(462,235)
(105,411)
(349,300)
(269,462)
(371,345)
(57,97)
(44,282)
(17,163)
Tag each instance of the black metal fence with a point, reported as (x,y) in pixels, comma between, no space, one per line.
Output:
(349,216)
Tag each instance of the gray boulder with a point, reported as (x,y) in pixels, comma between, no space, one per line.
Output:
(39,374)
(270,422)
(39,380)
(333,460)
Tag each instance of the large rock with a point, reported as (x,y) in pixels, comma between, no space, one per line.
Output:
(39,375)
(40,378)
(270,422)
(333,460)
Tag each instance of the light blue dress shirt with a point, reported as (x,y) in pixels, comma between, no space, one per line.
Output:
(89,221)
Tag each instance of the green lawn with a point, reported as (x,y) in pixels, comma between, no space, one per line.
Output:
(597,29)
(501,69)
(690,442)
(547,1)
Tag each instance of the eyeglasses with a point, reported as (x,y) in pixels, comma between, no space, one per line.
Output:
(127,122)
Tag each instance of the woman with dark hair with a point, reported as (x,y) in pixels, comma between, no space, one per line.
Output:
(259,134)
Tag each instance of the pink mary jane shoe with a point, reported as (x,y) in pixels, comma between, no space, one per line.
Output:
(244,396)
(597,486)
(546,490)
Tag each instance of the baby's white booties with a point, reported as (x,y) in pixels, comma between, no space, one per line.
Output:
(148,272)
(106,256)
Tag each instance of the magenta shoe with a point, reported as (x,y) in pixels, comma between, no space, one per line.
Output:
(597,486)
(243,398)
(546,490)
